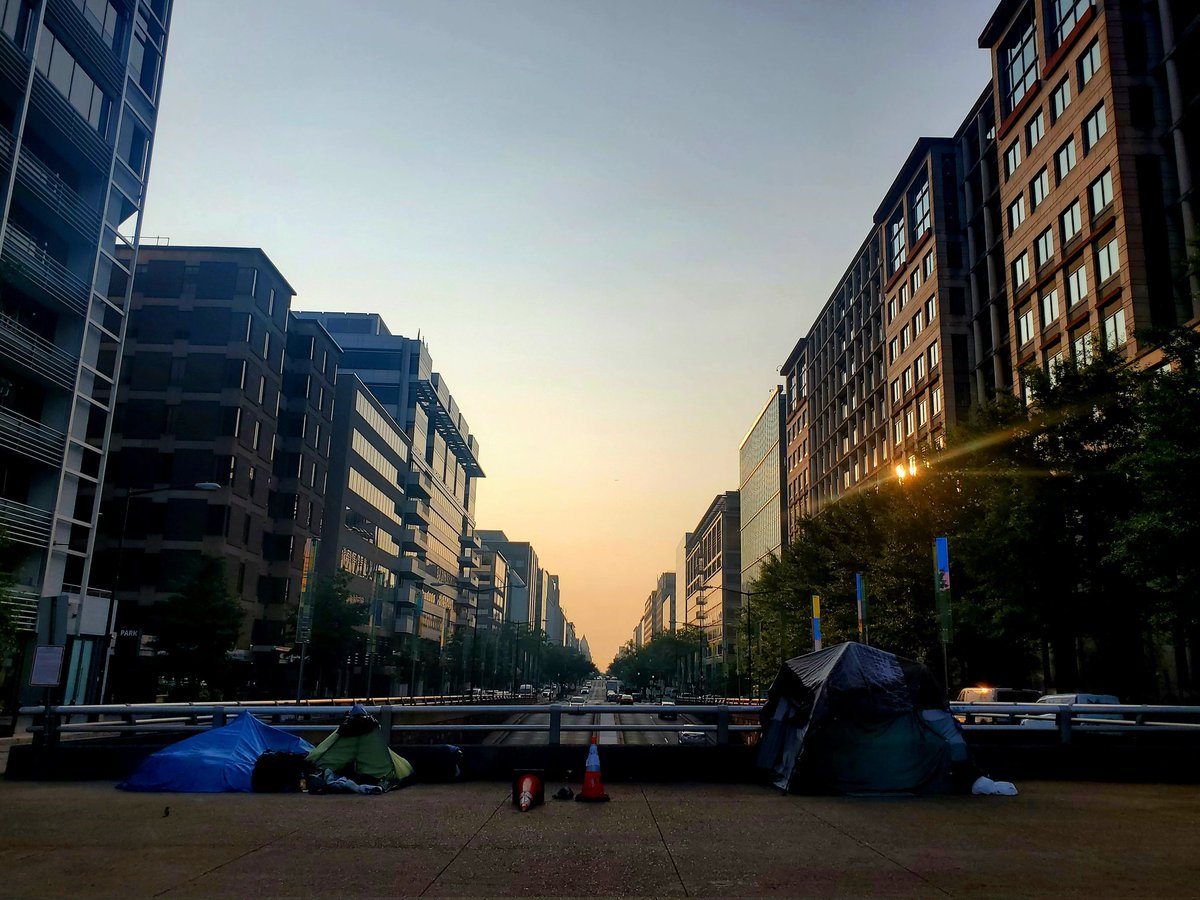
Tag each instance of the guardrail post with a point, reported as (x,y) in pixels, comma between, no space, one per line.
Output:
(218,717)
(385,723)
(554,738)
(1062,719)
(723,725)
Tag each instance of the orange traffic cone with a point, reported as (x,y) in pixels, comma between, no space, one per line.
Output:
(593,785)
(527,790)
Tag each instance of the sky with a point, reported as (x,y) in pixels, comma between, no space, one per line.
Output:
(611,220)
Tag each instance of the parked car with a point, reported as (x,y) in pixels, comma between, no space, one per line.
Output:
(1047,720)
(626,700)
(667,710)
(693,737)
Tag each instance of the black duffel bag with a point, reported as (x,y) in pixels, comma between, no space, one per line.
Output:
(278,772)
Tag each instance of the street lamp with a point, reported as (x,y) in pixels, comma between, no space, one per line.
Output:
(130,493)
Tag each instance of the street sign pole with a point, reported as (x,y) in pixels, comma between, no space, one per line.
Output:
(860,586)
(942,599)
(816,621)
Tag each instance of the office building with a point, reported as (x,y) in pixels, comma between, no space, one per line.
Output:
(762,489)
(1097,134)
(79,94)
(494,585)
(523,575)
(198,407)
(665,595)
(712,588)
(398,371)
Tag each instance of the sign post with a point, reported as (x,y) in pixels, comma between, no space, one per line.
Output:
(46,672)
(816,620)
(942,598)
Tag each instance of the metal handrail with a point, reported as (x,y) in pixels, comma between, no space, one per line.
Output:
(187,717)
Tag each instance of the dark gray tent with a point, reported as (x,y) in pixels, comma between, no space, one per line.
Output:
(856,719)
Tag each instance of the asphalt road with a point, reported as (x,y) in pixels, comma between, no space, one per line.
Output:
(597,721)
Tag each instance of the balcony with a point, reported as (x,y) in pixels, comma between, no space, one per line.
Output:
(70,124)
(407,596)
(409,567)
(22,608)
(84,41)
(26,525)
(468,559)
(31,438)
(413,539)
(14,64)
(31,267)
(419,484)
(29,351)
(468,539)
(416,509)
(37,178)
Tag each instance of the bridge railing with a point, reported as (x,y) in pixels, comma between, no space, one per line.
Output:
(718,722)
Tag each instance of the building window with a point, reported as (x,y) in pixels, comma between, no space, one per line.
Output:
(1016,214)
(262,388)
(1012,158)
(919,210)
(1077,287)
(1108,263)
(1043,248)
(916,281)
(1054,364)
(1114,329)
(908,422)
(1038,189)
(1018,61)
(917,324)
(923,413)
(251,481)
(1061,18)
(1095,127)
(907,377)
(896,391)
(927,265)
(1089,63)
(936,396)
(256,438)
(903,295)
(1082,347)
(897,433)
(1060,99)
(891,310)
(930,309)
(1049,303)
(1064,159)
(1020,269)
(1070,223)
(1035,129)
(933,355)
(893,350)
(897,249)
(1100,192)
(61,70)
(918,368)
(905,338)
(1025,327)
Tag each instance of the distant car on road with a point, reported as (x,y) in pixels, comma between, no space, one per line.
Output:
(693,737)
(1047,721)
(994,695)
(611,696)
(576,705)
(667,710)
(626,700)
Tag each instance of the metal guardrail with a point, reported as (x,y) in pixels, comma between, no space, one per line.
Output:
(303,716)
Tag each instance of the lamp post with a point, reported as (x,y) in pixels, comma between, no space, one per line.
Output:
(130,493)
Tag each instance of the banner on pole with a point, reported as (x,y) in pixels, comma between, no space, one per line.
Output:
(941,588)
(816,620)
(307,580)
(860,586)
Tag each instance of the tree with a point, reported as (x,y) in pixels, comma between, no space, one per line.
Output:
(336,620)
(198,625)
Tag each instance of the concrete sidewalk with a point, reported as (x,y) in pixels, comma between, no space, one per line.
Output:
(1097,840)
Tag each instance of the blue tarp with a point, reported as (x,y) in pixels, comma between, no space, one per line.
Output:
(215,761)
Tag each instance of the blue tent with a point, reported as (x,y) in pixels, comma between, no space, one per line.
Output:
(218,760)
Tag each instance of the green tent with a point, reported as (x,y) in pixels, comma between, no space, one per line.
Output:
(359,751)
